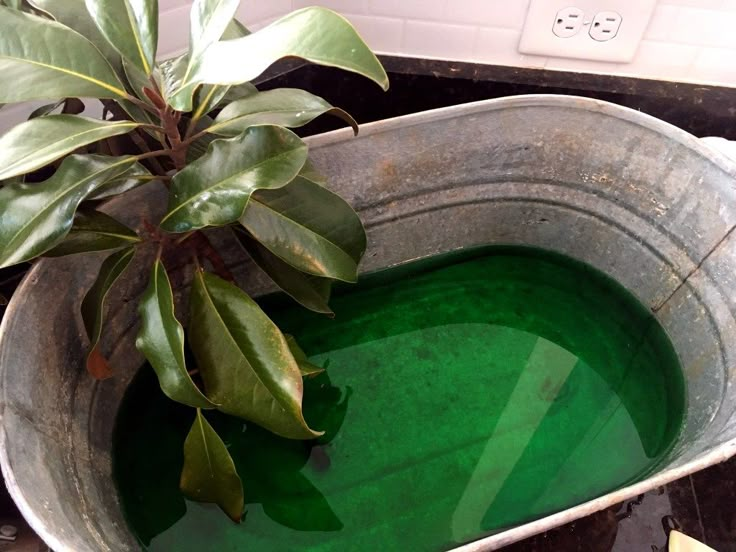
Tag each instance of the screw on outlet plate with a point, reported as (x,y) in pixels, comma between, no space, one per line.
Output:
(568,22)
(605,26)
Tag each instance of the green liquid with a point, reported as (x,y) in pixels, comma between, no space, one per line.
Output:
(463,395)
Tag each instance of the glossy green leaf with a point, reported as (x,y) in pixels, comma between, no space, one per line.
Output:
(161,340)
(214,190)
(235,29)
(308,227)
(289,107)
(35,143)
(314,34)
(140,115)
(208,21)
(236,92)
(36,217)
(94,231)
(93,308)
(131,26)
(305,367)
(209,474)
(133,177)
(245,361)
(45,109)
(208,96)
(199,147)
(312,292)
(42,59)
(74,14)
(137,79)
(310,172)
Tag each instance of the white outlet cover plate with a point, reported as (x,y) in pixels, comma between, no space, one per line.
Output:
(537,36)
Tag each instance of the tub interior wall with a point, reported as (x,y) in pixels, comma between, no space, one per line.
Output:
(643,202)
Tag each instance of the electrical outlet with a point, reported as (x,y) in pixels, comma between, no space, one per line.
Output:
(605,26)
(568,22)
(620,27)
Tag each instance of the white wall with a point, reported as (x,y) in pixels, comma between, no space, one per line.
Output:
(687,40)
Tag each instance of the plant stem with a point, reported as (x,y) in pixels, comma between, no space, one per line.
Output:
(141,143)
(157,153)
(193,137)
(178,152)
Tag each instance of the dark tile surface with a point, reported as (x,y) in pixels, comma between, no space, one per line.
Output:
(703,505)
(644,523)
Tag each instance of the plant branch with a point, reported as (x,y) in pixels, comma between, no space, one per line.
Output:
(193,137)
(150,154)
(141,143)
(178,151)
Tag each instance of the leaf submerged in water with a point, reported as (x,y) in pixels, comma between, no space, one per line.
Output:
(209,473)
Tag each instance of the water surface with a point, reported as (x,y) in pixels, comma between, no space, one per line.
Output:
(463,395)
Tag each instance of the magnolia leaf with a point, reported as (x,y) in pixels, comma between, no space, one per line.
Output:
(208,96)
(209,473)
(43,59)
(94,231)
(137,79)
(244,359)
(310,291)
(36,217)
(308,227)
(208,21)
(74,14)
(315,34)
(235,29)
(310,172)
(199,147)
(236,92)
(35,143)
(305,367)
(127,180)
(214,190)
(93,308)
(289,107)
(131,26)
(45,109)
(161,340)
(140,115)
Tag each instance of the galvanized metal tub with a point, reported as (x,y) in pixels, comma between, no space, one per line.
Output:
(631,195)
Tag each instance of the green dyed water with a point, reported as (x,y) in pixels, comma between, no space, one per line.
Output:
(463,395)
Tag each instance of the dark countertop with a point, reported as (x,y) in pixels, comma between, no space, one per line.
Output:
(704,504)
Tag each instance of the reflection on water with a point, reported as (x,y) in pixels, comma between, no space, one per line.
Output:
(461,397)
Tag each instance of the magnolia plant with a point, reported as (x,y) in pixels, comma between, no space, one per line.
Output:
(223,149)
